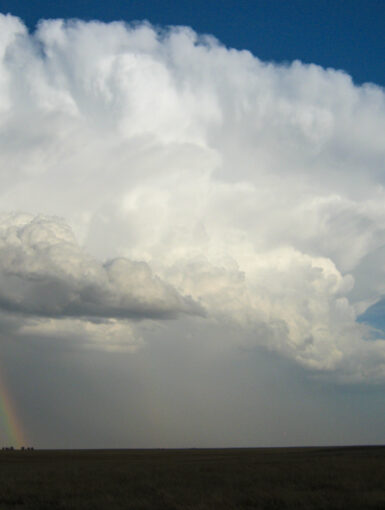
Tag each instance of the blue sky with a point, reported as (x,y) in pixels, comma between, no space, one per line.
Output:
(344,34)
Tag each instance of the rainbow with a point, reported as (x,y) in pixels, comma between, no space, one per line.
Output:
(11,431)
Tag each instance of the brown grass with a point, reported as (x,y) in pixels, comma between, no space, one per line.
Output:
(297,478)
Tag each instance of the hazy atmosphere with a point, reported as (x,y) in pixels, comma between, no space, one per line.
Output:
(192,241)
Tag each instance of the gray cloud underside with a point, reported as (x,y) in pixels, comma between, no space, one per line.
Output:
(257,189)
(44,273)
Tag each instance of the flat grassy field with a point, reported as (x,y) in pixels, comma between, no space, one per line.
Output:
(281,478)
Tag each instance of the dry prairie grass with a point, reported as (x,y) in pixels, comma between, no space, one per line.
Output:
(229,479)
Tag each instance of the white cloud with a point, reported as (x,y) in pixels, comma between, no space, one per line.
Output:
(258,189)
(44,272)
(51,283)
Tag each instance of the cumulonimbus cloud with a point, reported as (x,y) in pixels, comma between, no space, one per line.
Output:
(53,288)
(255,188)
(44,272)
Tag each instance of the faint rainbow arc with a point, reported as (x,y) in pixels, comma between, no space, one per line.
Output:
(9,420)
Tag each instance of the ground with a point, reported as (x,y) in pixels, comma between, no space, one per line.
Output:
(194,479)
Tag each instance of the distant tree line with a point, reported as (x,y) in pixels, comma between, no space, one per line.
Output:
(22,448)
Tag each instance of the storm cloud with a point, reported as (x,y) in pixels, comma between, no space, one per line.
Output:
(45,274)
(217,185)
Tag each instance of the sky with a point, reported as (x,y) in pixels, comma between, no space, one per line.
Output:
(192,224)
